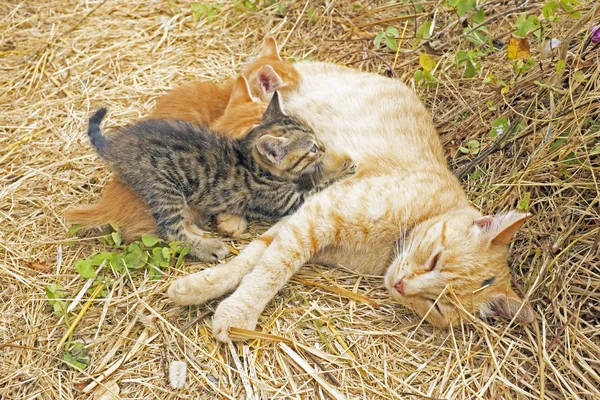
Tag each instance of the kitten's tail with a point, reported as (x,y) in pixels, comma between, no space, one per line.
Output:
(97,138)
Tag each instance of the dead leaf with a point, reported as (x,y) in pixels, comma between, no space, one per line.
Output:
(518,48)
(427,62)
(39,265)
(108,391)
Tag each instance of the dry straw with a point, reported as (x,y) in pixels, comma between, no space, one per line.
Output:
(324,336)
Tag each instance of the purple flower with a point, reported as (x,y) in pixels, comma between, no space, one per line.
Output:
(595,34)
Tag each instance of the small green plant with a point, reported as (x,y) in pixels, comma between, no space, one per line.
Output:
(246,5)
(389,36)
(473,147)
(56,295)
(523,203)
(423,32)
(462,6)
(282,8)
(78,357)
(521,66)
(150,253)
(424,74)
(549,11)
(499,127)
(525,24)
(478,174)
(311,14)
(208,10)
(468,58)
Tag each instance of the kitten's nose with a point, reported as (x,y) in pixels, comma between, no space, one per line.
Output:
(400,287)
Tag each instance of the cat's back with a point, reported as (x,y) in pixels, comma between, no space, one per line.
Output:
(167,137)
(377,120)
(200,102)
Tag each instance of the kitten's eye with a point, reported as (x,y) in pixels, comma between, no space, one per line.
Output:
(434,262)
(314,149)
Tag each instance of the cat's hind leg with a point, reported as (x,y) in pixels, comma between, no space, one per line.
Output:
(231,225)
(214,282)
(172,217)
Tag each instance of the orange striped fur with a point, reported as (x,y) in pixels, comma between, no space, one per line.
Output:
(403,215)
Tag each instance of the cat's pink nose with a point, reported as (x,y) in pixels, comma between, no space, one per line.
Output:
(400,287)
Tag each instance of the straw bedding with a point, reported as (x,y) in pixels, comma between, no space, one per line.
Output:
(60,60)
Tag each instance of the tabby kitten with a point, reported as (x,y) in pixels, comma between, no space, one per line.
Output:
(205,103)
(184,171)
(453,259)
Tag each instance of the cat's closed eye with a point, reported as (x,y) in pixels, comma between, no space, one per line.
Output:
(433,263)
(314,149)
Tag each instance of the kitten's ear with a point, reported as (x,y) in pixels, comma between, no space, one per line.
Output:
(241,91)
(274,110)
(508,305)
(500,229)
(270,49)
(268,80)
(273,148)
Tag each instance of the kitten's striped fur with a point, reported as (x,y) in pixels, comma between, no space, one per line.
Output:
(179,168)
(403,187)
(206,103)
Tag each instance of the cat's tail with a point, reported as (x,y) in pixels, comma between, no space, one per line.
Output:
(97,138)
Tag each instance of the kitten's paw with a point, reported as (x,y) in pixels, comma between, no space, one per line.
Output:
(349,167)
(209,250)
(232,314)
(231,225)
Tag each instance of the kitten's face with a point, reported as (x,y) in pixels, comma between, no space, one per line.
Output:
(242,112)
(286,147)
(457,259)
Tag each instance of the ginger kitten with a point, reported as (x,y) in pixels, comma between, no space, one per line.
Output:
(404,215)
(185,172)
(204,103)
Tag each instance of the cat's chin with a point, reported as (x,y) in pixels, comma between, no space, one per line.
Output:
(314,167)
(310,169)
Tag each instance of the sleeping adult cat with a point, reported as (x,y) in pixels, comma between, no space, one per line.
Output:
(403,192)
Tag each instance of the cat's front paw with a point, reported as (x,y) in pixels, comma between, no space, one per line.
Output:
(231,225)
(209,250)
(196,288)
(231,314)
(349,167)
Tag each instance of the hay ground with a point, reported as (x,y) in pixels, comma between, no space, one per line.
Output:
(59,60)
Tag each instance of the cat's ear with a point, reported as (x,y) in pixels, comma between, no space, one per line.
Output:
(500,229)
(274,110)
(272,148)
(268,80)
(270,49)
(508,305)
(241,91)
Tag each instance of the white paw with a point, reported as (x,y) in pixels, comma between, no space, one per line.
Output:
(196,288)
(232,314)
(231,225)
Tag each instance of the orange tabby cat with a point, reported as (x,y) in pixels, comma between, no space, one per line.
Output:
(403,215)
(204,103)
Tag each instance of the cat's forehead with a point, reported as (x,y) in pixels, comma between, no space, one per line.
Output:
(289,127)
(444,229)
